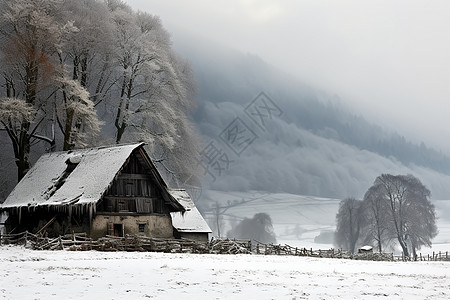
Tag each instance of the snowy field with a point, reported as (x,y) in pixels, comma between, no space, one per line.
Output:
(27,274)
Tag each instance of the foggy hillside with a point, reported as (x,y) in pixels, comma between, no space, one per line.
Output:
(316,146)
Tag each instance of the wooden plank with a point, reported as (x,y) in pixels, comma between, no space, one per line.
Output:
(134,176)
(46,225)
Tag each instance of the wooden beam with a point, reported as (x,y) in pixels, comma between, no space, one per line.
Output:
(134,176)
(46,225)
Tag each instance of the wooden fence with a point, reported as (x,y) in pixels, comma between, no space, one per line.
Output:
(81,242)
(271,249)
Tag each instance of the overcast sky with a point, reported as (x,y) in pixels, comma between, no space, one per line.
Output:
(390,59)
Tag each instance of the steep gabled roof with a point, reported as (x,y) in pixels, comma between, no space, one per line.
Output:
(191,220)
(77,177)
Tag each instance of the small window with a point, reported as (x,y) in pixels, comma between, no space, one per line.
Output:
(141,227)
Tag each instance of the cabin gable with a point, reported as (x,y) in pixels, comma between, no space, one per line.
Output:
(134,191)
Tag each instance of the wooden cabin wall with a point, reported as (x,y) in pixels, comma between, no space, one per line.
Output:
(133,191)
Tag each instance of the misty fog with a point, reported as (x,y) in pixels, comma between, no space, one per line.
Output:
(318,146)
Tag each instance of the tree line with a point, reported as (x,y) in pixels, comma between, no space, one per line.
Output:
(82,73)
(396,210)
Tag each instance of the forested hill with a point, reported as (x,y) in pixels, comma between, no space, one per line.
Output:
(323,114)
(229,80)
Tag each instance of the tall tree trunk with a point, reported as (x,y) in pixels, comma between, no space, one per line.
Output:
(402,243)
(68,143)
(84,63)
(379,240)
(23,143)
(121,121)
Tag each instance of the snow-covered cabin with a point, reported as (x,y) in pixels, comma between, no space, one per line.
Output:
(114,190)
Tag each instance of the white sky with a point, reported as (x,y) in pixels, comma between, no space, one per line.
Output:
(390,59)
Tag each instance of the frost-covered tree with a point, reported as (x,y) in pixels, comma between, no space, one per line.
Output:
(76,115)
(376,218)
(154,89)
(411,214)
(348,223)
(29,34)
(87,50)
(33,35)
(78,63)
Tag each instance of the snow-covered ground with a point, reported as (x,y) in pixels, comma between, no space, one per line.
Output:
(27,274)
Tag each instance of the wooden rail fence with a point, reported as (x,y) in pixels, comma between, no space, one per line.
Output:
(81,242)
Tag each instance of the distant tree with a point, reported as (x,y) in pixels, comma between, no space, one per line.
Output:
(349,223)
(258,228)
(411,214)
(376,218)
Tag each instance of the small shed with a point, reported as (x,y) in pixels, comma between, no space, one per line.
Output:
(365,249)
(190,224)
(113,190)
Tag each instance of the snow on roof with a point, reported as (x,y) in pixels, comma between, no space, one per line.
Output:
(95,170)
(366,248)
(191,220)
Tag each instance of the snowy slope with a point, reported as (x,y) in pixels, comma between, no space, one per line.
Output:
(48,275)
